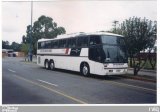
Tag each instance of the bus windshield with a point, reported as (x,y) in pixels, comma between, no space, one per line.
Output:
(115,54)
(114,40)
(111,50)
(114,49)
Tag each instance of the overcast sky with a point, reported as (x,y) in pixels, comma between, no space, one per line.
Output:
(74,16)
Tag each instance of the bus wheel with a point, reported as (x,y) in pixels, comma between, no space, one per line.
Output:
(84,69)
(52,65)
(46,64)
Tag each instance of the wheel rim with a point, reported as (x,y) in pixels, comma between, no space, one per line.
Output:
(46,64)
(85,70)
(52,65)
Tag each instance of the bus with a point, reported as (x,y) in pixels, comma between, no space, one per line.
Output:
(88,53)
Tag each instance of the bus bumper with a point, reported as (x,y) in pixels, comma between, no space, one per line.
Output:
(115,71)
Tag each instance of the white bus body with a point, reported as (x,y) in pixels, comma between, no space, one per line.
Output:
(89,58)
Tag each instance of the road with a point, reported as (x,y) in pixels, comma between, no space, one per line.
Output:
(27,83)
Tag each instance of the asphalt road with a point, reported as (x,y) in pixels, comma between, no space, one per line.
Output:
(27,83)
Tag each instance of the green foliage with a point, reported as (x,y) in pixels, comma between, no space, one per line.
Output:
(5,45)
(44,27)
(24,48)
(15,46)
(140,34)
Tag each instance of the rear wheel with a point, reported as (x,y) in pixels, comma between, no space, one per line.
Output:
(52,65)
(84,69)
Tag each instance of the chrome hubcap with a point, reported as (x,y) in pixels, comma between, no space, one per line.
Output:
(52,65)
(85,70)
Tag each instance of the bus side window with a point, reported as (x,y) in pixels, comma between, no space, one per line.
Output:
(52,44)
(92,54)
(82,41)
(47,44)
(55,44)
(62,43)
(97,54)
(72,42)
(43,45)
(39,45)
(94,40)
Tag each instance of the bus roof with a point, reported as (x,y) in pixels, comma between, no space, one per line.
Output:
(79,34)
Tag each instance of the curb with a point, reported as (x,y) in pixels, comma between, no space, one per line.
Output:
(28,61)
(143,78)
(145,70)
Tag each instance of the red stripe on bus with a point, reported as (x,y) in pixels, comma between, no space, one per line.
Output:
(67,51)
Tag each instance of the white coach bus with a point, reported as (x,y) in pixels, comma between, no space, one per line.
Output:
(89,53)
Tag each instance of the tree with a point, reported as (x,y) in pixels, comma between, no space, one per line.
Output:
(5,45)
(24,48)
(15,46)
(115,22)
(140,34)
(44,27)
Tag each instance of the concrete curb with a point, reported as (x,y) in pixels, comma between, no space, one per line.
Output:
(143,78)
(28,61)
(145,70)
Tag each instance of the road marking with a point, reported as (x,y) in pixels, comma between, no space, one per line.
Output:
(47,82)
(50,89)
(129,85)
(11,70)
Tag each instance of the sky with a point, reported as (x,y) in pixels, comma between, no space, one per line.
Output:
(74,16)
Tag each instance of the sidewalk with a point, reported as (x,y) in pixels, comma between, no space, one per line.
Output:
(145,70)
(34,59)
(151,73)
(145,75)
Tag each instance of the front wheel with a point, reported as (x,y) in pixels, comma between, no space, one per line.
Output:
(46,64)
(84,69)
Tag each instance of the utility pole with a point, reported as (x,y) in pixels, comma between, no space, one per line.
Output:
(30,46)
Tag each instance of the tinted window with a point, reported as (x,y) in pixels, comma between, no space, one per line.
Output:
(94,40)
(82,41)
(54,44)
(107,39)
(72,42)
(62,43)
(43,45)
(39,45)
(48,44)
(97,54)
(115,54)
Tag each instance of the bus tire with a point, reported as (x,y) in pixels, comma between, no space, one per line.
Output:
(46,64)
(52,65)
(84,69)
